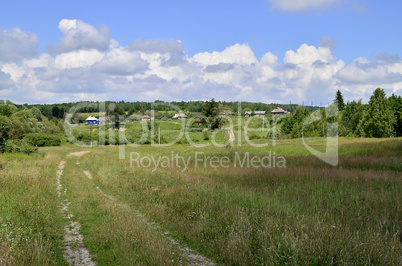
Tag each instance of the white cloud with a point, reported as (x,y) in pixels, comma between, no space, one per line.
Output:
(5,81)
(308,54)
(16,44)
(371,72)
(120,61)
(170,52)
(237,54)
(150,69)
(302,5)
(78,59)
(80,35)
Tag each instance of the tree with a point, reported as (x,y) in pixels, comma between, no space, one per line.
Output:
(5,110)
(351,117)
(116,112)
(5,125)
(396,106)
(211,111)
(339,101)
(293,125)
(379,120)
(55,111)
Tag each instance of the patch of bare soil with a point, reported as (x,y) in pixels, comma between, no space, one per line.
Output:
(74,250)
(88,174)
(78,154)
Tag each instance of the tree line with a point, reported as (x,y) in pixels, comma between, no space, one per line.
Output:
(380,117)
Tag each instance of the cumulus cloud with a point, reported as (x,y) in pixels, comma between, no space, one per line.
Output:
(16,44)
(160,69)
(327,41)
(5,81)
(120,61)
(222,67)
(308,54)
(78,59)
(170,52)
(384,69)
(80,35)
(237,54)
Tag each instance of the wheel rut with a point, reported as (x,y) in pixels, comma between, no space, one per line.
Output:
(75,252)
(193,257)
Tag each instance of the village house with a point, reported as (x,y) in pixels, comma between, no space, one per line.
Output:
(179,116)
(278,111)
(145,118)
(256,113)
(199,121)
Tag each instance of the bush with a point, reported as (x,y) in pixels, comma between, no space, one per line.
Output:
(19,146)
(205,133)
(84,136)
(255,136)
(42,140)
(184,140)
(274,133)
(2,145)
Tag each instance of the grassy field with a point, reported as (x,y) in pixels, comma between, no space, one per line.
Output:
(305,213)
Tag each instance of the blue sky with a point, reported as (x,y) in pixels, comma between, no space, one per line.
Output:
(312,48)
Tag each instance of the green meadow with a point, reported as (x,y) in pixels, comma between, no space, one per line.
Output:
(301,211)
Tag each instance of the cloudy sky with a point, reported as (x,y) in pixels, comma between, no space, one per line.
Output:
(256,50)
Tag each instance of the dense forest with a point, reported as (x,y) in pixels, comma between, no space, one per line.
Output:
(380,117)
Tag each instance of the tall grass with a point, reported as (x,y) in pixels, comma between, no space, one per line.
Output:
(31,228)
(307,213)
(114,233)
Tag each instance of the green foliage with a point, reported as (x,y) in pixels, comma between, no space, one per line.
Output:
(352,115)
(5,110)
(2,145)
(293,125)
(396,106)
(339,101)
(17,146)
(42,140)
(211,111)
(380,119)
(116,112)
(205,134)
(84,137)
(274,133)
(5,125)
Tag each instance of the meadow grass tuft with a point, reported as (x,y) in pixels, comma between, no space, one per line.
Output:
(306,213)
(31,228)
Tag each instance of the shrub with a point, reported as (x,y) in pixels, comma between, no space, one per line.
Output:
(42,140)
(19,146)
(2,145)
(84,136)
(184,140)
(274,133)
(205,133)
(254,136)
